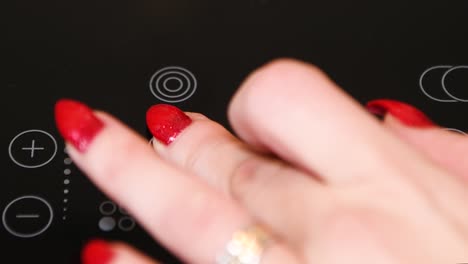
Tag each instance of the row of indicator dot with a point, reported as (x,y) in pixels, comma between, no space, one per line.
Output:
(66,182)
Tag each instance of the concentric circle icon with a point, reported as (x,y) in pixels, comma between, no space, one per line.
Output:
(173,84)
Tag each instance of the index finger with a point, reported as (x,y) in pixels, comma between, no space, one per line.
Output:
(183,213)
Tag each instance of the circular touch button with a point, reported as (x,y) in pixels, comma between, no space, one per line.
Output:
(173,84)
(32,149)
(27,216)
(445,83)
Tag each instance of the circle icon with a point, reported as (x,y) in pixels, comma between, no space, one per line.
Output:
(445,86)
(32,149)
(107,208)
(438,83)
(126,224)
(173,84)
(27,216)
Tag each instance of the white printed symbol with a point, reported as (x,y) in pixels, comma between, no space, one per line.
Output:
(108,222)
(447,71)
(32,148)
(27,216)
(173,84)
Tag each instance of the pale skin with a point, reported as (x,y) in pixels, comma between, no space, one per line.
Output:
(331,182)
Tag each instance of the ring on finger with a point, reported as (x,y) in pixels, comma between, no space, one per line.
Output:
(246,246)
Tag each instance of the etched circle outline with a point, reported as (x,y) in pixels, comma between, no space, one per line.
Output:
(181,84)
(456,130)
(189,83)
(158,88)
(32,166)
(421,79)
(21,235)
(129,228)
(444,86)
(107,213)
(192,84)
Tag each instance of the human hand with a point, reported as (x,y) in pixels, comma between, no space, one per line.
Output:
(328,181)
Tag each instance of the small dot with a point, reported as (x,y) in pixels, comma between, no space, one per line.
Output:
(66,181)
(67,161)
(65,209)
(66,191)
(65,200)
(64,218)
(67,171)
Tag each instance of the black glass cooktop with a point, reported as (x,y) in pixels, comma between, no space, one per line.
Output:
(124,56)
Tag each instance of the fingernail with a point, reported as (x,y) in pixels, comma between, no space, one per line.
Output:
(166,122)
(76,123)
(407,114)
(97,252)
(157,145)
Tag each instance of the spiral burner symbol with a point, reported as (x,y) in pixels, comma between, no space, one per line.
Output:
(173,84)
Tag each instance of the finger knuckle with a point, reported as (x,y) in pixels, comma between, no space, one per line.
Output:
(252,174)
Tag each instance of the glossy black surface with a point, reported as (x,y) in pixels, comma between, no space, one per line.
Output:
(105,53)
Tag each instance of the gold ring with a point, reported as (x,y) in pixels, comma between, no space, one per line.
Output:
(246,246)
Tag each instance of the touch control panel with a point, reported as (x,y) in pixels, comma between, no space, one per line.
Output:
(124,56)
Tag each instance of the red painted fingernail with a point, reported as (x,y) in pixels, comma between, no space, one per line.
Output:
(76,123)
(407,114)
(166,122)
(97,252)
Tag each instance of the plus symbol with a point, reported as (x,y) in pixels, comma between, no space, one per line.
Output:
(33,148)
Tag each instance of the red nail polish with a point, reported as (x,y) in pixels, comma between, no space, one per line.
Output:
(166,122)
(76,123)
(406,113)
(97,252)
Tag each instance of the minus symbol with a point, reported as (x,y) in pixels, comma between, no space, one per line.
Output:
(23,216)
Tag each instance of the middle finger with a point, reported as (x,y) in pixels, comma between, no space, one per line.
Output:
(209,151)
